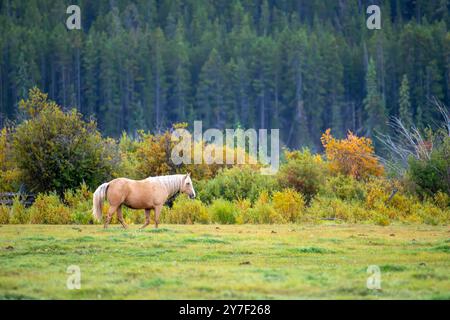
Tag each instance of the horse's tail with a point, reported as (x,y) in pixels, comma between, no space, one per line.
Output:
(99,197)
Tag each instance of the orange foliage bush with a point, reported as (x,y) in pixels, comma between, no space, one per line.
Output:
(153,153)
(353,156)
(153,156)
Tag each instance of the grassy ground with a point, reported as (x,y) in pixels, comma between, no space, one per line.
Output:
(225,262)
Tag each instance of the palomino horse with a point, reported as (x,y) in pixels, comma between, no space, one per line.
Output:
(150,193)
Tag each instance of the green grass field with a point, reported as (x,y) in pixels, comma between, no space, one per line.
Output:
(225,262)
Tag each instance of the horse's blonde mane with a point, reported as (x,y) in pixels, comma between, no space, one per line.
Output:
(171,182)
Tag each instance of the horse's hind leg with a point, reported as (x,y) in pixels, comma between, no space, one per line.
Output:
(147,218)
(157,213)
(111,211)
(120,217)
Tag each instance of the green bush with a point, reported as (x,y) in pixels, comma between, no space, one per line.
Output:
(236,183)
(223,211)
(80,205)
(80,217)
(4,214)
(128,159)
(334,208)
(432,215)
(19,214)
(55,150)
(432,175)
(381,219)
(344,187)
(263,211)
(186,211)
(304,173)
(48,209)
(442,200)
(243,207)
(401,208)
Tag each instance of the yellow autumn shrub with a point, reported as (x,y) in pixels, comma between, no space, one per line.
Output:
(9,174)
(442,200)
(332,208)
(48,209)
(377,193)
(243,207)
(129,163)
(4,214)
(263,211)
(19,214)
(289,203)
(186,211)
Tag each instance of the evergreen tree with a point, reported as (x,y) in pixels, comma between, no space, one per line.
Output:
(265,18)
(405,103)
(178,75)
(90,72)
(22,76)
(295,89)
(262,84)
(373,103)
(210,98)
(109,106)
(159,79)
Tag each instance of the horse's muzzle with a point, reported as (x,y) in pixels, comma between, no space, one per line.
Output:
(192,196)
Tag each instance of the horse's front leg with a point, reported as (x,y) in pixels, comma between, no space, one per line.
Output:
(157,213)
(147,218)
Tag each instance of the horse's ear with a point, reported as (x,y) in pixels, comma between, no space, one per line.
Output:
(188,174)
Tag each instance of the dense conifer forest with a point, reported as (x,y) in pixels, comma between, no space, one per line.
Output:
(299,65)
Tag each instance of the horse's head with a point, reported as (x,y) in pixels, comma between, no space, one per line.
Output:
(187,186)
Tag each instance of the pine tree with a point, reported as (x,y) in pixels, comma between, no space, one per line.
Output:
(232,92)
(22,77)
(145,85)
(298,119)
(210,98)
(404,103)
(159,77)
(178,75)
(62,61)
(261,70)
(314,89)
(109,100)
(373,103)
(334,87)
(137,119)
(265,18)
(90,72)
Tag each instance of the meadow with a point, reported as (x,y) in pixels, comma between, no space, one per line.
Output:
(310,231)
(289,261)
